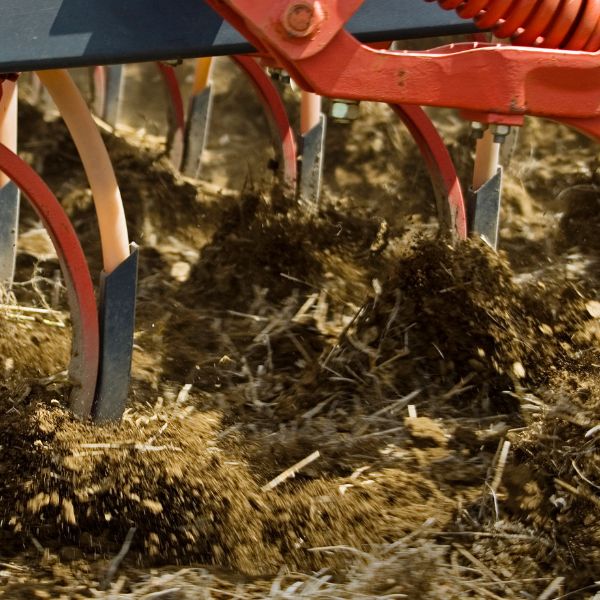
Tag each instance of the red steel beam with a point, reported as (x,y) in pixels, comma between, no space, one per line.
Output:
(484,78)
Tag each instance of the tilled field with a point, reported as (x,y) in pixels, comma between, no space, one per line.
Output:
(442,400)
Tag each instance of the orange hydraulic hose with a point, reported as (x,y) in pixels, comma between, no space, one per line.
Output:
(8,120)
(310,111)
(201,74)
(570,24)
(487,159)
(97,165)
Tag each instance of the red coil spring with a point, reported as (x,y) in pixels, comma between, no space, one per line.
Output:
(567,24)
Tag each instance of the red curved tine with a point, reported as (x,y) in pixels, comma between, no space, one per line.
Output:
(175,106)
(277,116)
(176,134)
(272,105)
(99,91)
(451,203)
(107,84)
(85,348)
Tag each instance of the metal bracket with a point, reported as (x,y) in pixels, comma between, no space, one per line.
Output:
(196,132)
(311,171)
(9,229)
(117,321)
(483,208)
(112,99)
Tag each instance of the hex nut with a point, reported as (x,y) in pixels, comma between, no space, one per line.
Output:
(343,110)
(301,18)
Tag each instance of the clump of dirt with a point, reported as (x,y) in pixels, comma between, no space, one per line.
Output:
(186,500)
(555,484)
(189,498)
(195,495)
(31,348)
(451,314)
(258,246)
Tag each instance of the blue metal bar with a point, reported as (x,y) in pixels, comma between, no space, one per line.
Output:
(50,34)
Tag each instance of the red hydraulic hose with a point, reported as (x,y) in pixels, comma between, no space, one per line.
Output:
(569,25)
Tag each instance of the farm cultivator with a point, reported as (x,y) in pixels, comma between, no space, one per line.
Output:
(339,49)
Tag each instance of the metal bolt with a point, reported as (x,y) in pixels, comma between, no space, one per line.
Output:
(279,75)
(478,129)
(344,110)
(301,19)
(500,133)
(175,62)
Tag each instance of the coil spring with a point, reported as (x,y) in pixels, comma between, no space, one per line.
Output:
(566,24)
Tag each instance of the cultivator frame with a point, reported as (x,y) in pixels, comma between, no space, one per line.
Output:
(327,48)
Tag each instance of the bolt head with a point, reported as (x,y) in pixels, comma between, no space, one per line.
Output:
(344,110)
(279,75)
(339,110)
(478,129)
(302,18)
(501,132)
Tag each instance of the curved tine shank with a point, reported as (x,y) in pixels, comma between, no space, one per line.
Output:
(446,184)
(198,118)
(277,117)
(9,193)
(176,133)
(85,347)
(96,162)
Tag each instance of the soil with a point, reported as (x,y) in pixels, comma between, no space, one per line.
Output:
(452,393)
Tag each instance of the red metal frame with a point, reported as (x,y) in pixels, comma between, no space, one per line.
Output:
(482,78)
(85,349)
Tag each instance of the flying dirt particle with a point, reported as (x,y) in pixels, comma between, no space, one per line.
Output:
(72,463)
(546,329)
(518,370)
(38,502)
(153,506)
(46,423)
(593,308)
(588,334)
(426,429)
(181,271)
(68,512)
